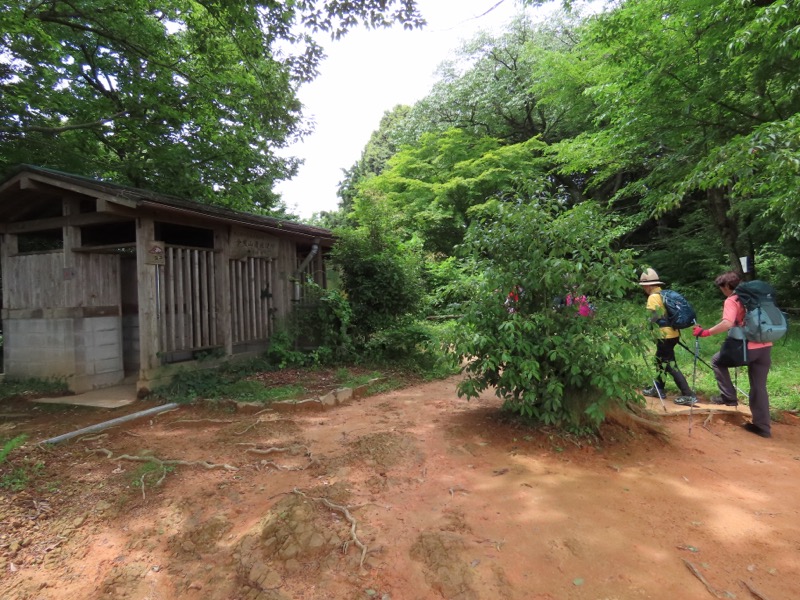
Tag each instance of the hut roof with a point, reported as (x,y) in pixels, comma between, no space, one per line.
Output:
(33,185)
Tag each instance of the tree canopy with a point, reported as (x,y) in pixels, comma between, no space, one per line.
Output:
(185,97)
(565,155)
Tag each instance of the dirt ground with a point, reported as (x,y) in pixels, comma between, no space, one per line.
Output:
(411,494)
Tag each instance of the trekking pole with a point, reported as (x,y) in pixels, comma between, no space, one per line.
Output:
(685,347)
(694,365)
(655,385)
(735,381)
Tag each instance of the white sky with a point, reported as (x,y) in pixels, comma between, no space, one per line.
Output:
(366,74)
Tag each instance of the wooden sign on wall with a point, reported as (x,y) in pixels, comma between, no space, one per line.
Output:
(244,245)
(155,253)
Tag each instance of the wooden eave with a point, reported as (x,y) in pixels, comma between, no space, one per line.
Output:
(34,185)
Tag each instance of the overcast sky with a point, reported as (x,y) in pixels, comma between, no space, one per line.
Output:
(367,73)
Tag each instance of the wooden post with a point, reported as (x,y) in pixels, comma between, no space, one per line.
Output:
(73,292)
(9,249)
(148,310)
(222,289)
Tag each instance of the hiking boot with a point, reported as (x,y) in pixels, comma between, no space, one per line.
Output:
(686,400)
(654,392)
(723,401)
(757,430)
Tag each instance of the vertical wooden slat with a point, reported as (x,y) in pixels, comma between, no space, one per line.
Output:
(232,302)
(239,301)
(212,297)
(234,265)
(245,303)
(171,300)
(271,297)
(179,299)
(162,303)
(262,278)
(257,298)
(243,314)
(195,296)
(251,284)
(242,279)
(203,293)
(187,299)
(223,300)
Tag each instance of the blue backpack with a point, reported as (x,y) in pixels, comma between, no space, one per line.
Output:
(763,320)
(680,313)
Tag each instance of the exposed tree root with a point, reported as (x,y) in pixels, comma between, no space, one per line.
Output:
(269,463)
(171,423)
(753,590)
(257,421)
(306,401)
(246,429)
(707,422)
(711,589)
(290,449)
(275,449)
(188,463)
(350,519)
(629,416)
(89,438)
(157,483)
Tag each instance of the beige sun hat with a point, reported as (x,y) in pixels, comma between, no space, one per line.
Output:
(650,277)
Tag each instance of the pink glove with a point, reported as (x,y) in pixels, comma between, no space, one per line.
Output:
(700,332)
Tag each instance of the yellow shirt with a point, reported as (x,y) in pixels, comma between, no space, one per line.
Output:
(656,303)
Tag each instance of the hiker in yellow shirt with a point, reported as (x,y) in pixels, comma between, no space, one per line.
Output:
(665,347)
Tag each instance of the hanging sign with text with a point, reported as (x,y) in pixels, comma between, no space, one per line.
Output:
(251,245)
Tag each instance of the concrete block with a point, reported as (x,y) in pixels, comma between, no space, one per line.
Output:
(343,395)
(329,399)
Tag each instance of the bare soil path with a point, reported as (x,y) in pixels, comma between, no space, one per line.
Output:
(413,494)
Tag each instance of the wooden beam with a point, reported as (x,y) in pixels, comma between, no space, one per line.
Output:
(76,220)
(33,178)
(148,301)
(110,206)
(106,248)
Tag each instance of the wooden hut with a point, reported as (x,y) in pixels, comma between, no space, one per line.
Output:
(104,284)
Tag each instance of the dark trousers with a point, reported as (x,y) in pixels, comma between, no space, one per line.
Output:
(666,364)
(758,363)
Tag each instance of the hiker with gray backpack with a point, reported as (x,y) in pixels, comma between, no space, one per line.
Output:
(671,312)
(752,322)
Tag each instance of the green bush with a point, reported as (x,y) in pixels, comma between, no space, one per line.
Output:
(32,387)
(381,275)
(282,352)
(412,345)
(10,445)
(324,320)
(547,363)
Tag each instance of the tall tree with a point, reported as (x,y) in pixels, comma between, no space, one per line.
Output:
(487,87)
(436,186)
(382,145)
(694,100)
(185,96)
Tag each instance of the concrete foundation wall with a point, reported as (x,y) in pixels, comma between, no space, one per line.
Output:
(87,352)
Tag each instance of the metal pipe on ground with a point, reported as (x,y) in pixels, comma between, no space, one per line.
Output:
(105,425)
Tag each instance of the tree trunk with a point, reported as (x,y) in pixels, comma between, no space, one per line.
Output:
(719,206)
